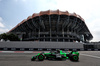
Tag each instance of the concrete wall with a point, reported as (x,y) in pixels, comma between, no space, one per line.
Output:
(70,45)
(92,46)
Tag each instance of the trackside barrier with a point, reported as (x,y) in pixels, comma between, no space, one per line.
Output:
(91,47)
(48,46)
(45,49)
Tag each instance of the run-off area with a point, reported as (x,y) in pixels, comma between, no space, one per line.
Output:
(86,58)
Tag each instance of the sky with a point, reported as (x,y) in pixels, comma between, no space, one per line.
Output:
(13,12)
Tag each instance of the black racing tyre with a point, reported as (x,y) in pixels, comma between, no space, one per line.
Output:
(74,57)
(41,57)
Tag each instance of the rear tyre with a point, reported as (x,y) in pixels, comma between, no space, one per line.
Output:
(74,58)
(41,57)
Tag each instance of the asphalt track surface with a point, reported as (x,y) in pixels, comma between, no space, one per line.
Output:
(87,58)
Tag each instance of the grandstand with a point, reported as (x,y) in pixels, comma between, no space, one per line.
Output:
(53,26)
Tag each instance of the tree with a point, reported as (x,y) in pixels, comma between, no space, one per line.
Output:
(3,36)
(11,37)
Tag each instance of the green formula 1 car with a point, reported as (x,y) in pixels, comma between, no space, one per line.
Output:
(59,54)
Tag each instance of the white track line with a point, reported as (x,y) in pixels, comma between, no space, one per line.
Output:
(90,55)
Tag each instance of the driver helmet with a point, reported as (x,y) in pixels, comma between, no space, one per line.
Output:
(58,50)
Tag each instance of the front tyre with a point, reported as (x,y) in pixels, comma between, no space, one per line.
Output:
(41,57)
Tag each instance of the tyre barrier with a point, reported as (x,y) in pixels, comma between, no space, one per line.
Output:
(45,49)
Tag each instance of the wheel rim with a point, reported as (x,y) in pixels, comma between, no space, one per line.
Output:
(41,57)
(75,57)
